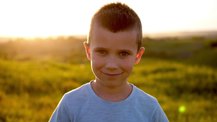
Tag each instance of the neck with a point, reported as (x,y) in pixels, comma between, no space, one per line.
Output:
(114,93)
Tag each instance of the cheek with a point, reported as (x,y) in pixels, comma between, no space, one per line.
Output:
(96,62)
(127,65)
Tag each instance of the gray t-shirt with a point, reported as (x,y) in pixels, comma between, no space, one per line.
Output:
(83,105)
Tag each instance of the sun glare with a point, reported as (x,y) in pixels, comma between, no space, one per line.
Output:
(173,15)
(37,18)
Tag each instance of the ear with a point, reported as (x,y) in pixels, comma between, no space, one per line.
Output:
(87,49)
(139,55)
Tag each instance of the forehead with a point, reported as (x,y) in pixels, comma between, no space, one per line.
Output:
(122,39)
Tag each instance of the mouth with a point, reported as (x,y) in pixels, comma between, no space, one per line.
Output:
(112,74)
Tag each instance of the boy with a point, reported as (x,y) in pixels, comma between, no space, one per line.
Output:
(113,47)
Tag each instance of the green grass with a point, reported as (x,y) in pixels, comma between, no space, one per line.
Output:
(33,89)
(31,86)
(176,84)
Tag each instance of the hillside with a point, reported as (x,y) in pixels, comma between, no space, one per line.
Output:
(185,34)
(180,72)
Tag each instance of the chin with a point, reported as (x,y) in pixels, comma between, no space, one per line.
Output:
(111,82)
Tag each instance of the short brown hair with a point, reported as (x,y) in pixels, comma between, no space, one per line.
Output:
(117,17)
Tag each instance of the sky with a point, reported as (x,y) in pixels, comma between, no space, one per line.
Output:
(44,18)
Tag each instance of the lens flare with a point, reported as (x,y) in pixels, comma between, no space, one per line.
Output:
(182,109)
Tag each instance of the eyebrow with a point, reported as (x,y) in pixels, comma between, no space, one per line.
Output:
(125,50)
(100,48)
(121,50)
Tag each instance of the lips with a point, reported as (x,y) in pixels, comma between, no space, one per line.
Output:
(112,74)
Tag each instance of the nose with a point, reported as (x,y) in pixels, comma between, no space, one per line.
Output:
(111,63)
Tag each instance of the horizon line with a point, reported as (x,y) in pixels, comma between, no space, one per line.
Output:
(84,35)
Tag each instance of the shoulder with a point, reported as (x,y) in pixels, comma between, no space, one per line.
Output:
(69,104)
(143,96)
(151,104)
(82,90)
(74,99)
(76,95)
(145,101)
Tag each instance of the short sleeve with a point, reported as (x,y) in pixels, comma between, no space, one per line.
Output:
(60,114)
(159,115)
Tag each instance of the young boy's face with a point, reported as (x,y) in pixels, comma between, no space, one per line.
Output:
(112,55)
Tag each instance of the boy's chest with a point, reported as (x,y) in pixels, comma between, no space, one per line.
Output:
(99,113)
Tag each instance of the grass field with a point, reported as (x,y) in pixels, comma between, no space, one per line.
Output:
(180,73)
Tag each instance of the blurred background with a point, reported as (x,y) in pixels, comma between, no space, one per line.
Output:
(42,57)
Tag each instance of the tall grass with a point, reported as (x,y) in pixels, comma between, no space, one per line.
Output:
(31,86)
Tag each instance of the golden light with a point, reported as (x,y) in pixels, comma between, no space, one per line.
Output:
(41,18)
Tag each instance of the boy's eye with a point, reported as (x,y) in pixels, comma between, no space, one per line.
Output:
(124,54)
(101,52)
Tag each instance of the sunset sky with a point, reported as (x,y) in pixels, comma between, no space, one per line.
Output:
(43,18)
